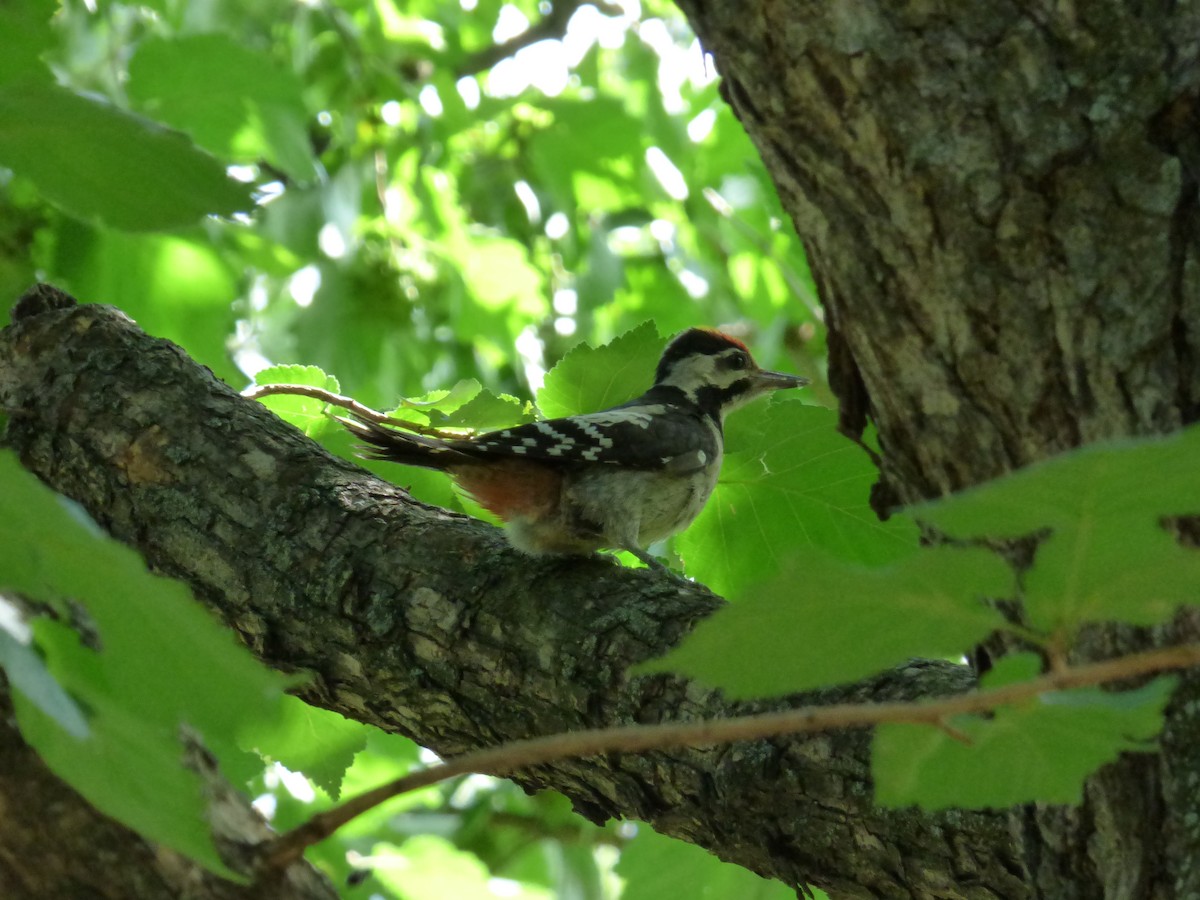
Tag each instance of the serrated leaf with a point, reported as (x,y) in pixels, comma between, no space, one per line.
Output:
(486,412)
(163,662)
(306,413)
(317,742)
(827,621)
(1107,558)
(84,155)
(790,484)
(445,401)
(438,404)
(1040,751)
(589,379)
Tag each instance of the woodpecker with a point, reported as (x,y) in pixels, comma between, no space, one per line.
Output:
(620,479)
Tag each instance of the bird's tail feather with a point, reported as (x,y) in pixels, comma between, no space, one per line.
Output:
(396,445)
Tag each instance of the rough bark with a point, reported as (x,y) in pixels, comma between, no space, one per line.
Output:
(999,203)
(417,620)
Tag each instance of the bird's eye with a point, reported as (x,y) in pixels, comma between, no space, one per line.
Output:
(739,361)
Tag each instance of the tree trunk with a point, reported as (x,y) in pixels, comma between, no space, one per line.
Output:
(999,203)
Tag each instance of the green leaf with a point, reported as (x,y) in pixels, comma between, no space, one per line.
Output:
(1126,480)
(826,621)
(589,379)
(234,101)
(317,742)
(1012,669)
(87,156)
(176,286)
(387,757)
(587,135)
(306,413)
(27,35)
(162,663)
(790,485)
(1107,558)
(445,401)
(1039,751)
(656,867)
(131,770)
(486,412)
(1133,572)
(498,273)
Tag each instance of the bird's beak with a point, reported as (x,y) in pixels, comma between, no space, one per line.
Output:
(776,381)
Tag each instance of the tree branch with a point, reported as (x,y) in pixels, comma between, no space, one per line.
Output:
(429,624)
(509,758)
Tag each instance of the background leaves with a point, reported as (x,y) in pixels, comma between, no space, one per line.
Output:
(137,690)
(346,195)
(83,155)
(414,216)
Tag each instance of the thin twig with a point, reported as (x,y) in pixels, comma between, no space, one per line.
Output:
(508,758)
(258,391)
(356,409)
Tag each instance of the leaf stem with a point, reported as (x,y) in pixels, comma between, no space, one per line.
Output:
(356,409)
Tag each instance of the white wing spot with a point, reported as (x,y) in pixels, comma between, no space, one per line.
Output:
(588,428)
(548,430)
(641,416)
